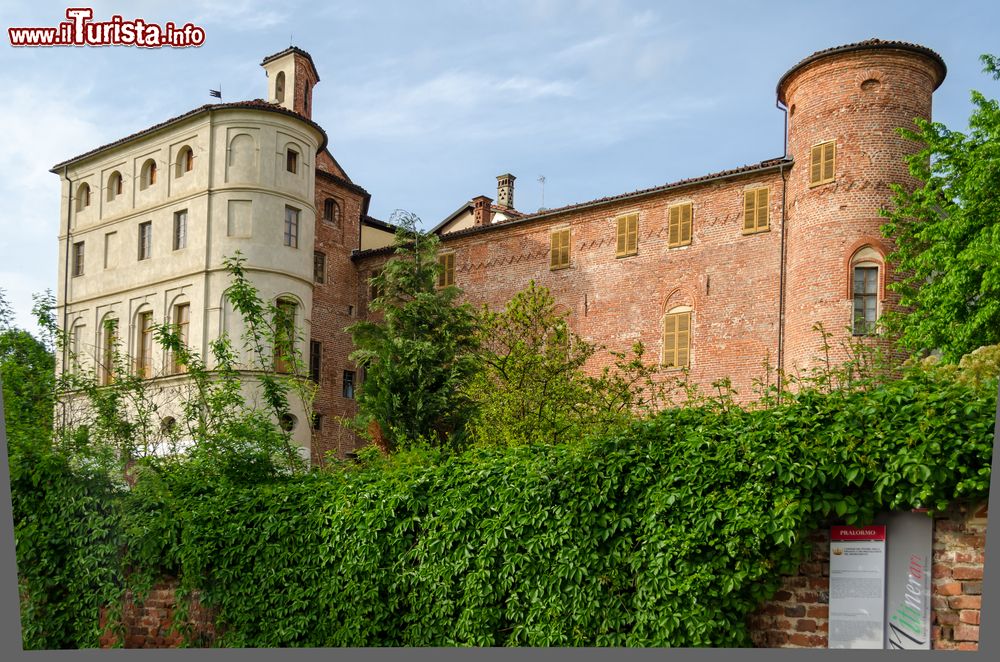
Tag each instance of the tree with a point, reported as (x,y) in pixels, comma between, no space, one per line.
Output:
(947,234)
(419,350)
(534,387)
(27,372)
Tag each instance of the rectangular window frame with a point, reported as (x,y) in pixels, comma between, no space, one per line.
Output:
(319,267)
(823,163)
(78,255)
(757,212)
(673,347)
(864,297)
(446,276)
(144,345)
(109,341)
(182,327)
(559,249)
(679,228)
(145,240)
(291,234)
(180,230)
(315,360)
(348,385)
(292,161)
(627,235)
(284,336)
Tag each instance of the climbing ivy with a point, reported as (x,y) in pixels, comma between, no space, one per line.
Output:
(667,533)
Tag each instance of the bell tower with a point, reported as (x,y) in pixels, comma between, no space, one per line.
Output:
(291,76)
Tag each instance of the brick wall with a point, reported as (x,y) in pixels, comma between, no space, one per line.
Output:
(149,624)
(798,617)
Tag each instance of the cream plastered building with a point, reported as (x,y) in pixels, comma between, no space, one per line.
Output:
(147,222)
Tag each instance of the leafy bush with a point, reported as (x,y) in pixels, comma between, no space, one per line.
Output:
(667,534)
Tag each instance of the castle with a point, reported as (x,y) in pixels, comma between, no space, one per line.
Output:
(717,274)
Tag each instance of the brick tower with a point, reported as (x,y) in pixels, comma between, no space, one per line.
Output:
(844,107)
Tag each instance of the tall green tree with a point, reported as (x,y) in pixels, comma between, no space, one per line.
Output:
(418,350)
(947,234)
(27,372)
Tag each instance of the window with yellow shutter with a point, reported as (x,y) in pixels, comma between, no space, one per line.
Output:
(559,254)
(628,235)
(755,217)
(680,225)
(677,339)
(821,163)
(446,276)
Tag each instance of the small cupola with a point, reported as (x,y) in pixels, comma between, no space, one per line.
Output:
(291,76)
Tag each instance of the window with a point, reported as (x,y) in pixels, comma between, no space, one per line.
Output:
(83,197)
(755,210)
(317,421)
(446,276)
(315,359)
(185,161)
(292,161)
(145,240)
(110,250)
(279,87)
(180,229)
(628,235)
(677,338)
(144,345)
(114,185)
(559,254)
(287,422)
(291,227)
(148,176)
(306,97)
(182,322)
(76,347)
(284,335)
(108,344)
(319,267)
(821,163)
(865,299)
(349,384)
(78,258)
(331,211)
(680,225)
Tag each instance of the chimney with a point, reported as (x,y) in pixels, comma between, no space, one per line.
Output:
(481,213)
(505,191)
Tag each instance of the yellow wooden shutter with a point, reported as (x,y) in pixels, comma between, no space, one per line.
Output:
(670,340)
(673,237)
(559,249)
(761,215)
(564,254)
(816,165)
(683,339)
(686,224)
(632,235)
(829,150)
(749,221)
(442,277)
(622,247)
(554,260)
(450,266)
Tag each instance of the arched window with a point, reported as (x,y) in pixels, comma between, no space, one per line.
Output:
(331,211)
(76,339)
(83,197)
(144,344)
(865,278)
(677,337)
(181,320)
(185,161)
(279,87)
(291,160)
(114,185)
(148,175)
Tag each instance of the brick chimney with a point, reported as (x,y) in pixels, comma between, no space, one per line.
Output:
(481,214)
(505,191)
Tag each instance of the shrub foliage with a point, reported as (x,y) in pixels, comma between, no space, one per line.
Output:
(668,533)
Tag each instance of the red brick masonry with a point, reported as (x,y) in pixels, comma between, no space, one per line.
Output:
(797,616)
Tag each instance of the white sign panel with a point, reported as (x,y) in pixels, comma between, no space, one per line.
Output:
(908,581)
(857,586)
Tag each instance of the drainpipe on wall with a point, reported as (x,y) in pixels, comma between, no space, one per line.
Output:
(782,266)
(65,296)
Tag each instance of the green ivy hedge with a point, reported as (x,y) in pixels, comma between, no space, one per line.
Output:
(668,534)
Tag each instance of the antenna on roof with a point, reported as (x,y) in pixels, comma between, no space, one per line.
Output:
(541,180)
(290,34)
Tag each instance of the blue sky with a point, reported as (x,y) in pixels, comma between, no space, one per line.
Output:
(426,102)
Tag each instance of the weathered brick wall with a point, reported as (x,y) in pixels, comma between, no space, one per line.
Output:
(798,615)
(149,624)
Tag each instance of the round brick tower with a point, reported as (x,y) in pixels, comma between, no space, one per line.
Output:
(844,106)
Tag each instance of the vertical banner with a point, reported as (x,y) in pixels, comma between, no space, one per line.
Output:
(908,581)
(857,586)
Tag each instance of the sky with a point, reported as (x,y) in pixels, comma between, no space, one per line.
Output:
(425,103)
